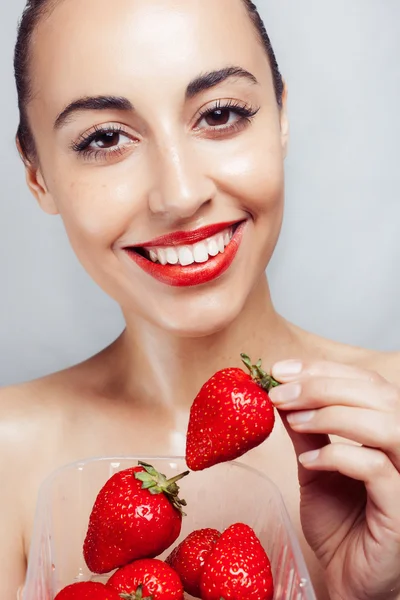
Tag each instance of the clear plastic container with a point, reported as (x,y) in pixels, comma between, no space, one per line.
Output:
(218,497)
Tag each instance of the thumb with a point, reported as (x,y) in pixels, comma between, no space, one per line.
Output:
(304,442)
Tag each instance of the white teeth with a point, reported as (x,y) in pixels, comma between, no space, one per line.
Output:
(200,252)
(162,256)
(185,256)
(172,256)
(153,256)
(220,242)
(213,249)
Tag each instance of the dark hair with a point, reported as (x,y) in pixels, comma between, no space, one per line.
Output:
(35,10)
(266,42)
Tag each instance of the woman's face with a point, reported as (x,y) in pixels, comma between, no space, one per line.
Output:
(152,118)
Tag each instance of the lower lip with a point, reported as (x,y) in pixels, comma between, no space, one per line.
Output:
(196,274)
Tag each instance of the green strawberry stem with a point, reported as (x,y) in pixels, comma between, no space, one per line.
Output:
(137,596)
(157,483)
(263,379)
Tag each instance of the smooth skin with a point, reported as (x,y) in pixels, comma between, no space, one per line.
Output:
(172,168)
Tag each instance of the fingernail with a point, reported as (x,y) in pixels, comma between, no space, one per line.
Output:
(309,457)
(302,416)
(286,393)
(287,368)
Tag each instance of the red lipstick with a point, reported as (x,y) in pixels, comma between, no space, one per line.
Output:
(197,273)
(180,238)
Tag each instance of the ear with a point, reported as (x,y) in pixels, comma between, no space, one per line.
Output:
(38,187)
(284,121)
(37,184)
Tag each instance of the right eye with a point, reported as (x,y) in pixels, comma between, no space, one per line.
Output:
(103,142)
(108,139)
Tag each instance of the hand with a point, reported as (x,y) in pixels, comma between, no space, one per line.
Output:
(350,492)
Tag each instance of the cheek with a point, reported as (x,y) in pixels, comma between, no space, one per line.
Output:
(96,208)
(253,172)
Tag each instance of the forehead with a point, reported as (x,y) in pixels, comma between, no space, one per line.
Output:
(85,47)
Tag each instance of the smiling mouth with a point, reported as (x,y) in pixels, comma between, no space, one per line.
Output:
(186,255)
(196,261)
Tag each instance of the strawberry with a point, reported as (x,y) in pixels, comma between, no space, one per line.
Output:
(238,568)
(87,590)
(189,557)
(137,514)
(149,578)
(231,414)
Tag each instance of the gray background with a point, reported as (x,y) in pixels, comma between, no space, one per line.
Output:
(336,269)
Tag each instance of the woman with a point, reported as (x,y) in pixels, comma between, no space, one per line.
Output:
(158,131)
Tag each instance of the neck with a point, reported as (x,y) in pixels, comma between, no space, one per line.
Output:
(160,367)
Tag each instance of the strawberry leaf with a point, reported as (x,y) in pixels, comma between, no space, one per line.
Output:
(148,485)
(260,377)
(143,477)
(149,469)
(157,483)
(137,596)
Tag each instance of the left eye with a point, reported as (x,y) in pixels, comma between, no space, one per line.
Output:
(220,117)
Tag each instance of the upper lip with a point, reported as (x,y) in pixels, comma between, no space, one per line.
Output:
(179,238)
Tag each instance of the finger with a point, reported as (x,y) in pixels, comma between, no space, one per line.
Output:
(317,392)
(304,443)
(367,427)
(295,370)
(371,466)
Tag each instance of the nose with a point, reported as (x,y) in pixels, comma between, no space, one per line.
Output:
(182,186)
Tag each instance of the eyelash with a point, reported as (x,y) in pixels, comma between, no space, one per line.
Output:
(82,146)
(244,111)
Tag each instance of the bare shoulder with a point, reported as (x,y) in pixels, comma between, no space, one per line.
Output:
(38,414)
(28,420)
(53,393)
(33,399)
(33,414)
(387,364)
(12,512)
(38,422)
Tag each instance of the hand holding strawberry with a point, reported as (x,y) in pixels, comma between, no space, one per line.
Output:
(349,491)
(231,414)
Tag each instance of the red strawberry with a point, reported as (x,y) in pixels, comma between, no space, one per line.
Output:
(150,578)
(137,514)
(87,590)
(238,568)
(189,557)
(231,414)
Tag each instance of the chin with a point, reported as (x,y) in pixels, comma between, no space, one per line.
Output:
(204,316)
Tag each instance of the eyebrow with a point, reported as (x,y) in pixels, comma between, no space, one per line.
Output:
(92,103)
(200,84)
(213,78)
